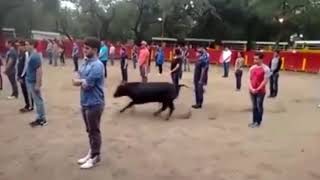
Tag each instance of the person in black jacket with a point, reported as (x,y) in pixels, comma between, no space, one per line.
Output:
(22,67)
(275,66)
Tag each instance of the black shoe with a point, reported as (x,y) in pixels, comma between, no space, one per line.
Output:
(38,122)
(43,122)
(26,109)
(35,123)
(197,106)
(253,125)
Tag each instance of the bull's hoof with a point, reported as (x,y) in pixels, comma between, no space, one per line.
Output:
(122,111)
(156,114)
(168,118)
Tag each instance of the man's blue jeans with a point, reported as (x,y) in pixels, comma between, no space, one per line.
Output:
(226,69)
(38,100)
(257,107)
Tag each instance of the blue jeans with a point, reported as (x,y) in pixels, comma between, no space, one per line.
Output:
(226,69)
(257,107)
(199,93)
(38,100)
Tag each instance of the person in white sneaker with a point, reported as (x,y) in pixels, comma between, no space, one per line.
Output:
(91,82)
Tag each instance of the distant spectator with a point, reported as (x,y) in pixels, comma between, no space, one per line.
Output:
(124,64)
(50,51)
(62,52)
(10,69)
(112,53)
(238,69)
(225,59)
(275,67)
(75,56)
(144,55)
(103,56)
(55,53)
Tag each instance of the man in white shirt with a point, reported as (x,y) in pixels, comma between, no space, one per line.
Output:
(112,53)
(225,59)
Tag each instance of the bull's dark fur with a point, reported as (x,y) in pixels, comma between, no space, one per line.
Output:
(153,92)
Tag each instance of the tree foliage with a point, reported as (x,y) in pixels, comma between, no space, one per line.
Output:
(142,19)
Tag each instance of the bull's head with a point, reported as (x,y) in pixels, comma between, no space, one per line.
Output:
(120,91)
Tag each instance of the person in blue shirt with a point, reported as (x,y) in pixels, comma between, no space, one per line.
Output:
(201,76)
(160,58)
(10,69)
(90,79)
(34,83)
(103,56)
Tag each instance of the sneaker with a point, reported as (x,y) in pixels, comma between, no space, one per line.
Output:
(35,123)
(253,125)
(90,163)
(25,110)
(85,159)
(43,122)
(38,122)
(12,97)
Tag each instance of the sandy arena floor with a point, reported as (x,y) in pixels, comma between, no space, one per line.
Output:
(213,144)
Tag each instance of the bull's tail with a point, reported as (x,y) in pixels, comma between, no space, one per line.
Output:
(179,87)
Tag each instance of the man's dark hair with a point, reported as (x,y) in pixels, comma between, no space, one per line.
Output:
(260,55)
(242,54)
(92,42)
(277,51)
(32,42)
(11,42)
(177,51)
(22,43)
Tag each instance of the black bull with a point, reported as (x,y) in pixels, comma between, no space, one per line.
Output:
(141,93)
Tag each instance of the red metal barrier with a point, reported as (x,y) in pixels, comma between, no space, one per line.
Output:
(293,61)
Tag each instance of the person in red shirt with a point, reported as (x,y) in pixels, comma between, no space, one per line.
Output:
(258,78)
(143,61)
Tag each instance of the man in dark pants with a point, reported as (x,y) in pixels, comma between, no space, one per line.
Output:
(22,68)
(258,78)
(275,66)
(124,64)
(91,81)
(10,70)
(75,56)
(176,67)
(201,77)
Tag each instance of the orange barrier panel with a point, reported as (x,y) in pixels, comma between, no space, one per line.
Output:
(312,63)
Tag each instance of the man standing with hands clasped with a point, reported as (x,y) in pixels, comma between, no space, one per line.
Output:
(258,78)
(144,61)
(91,82)
(34,83)
(225,59)
(200,78)
(275,66)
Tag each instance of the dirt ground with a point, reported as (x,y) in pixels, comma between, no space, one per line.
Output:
(214,143)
